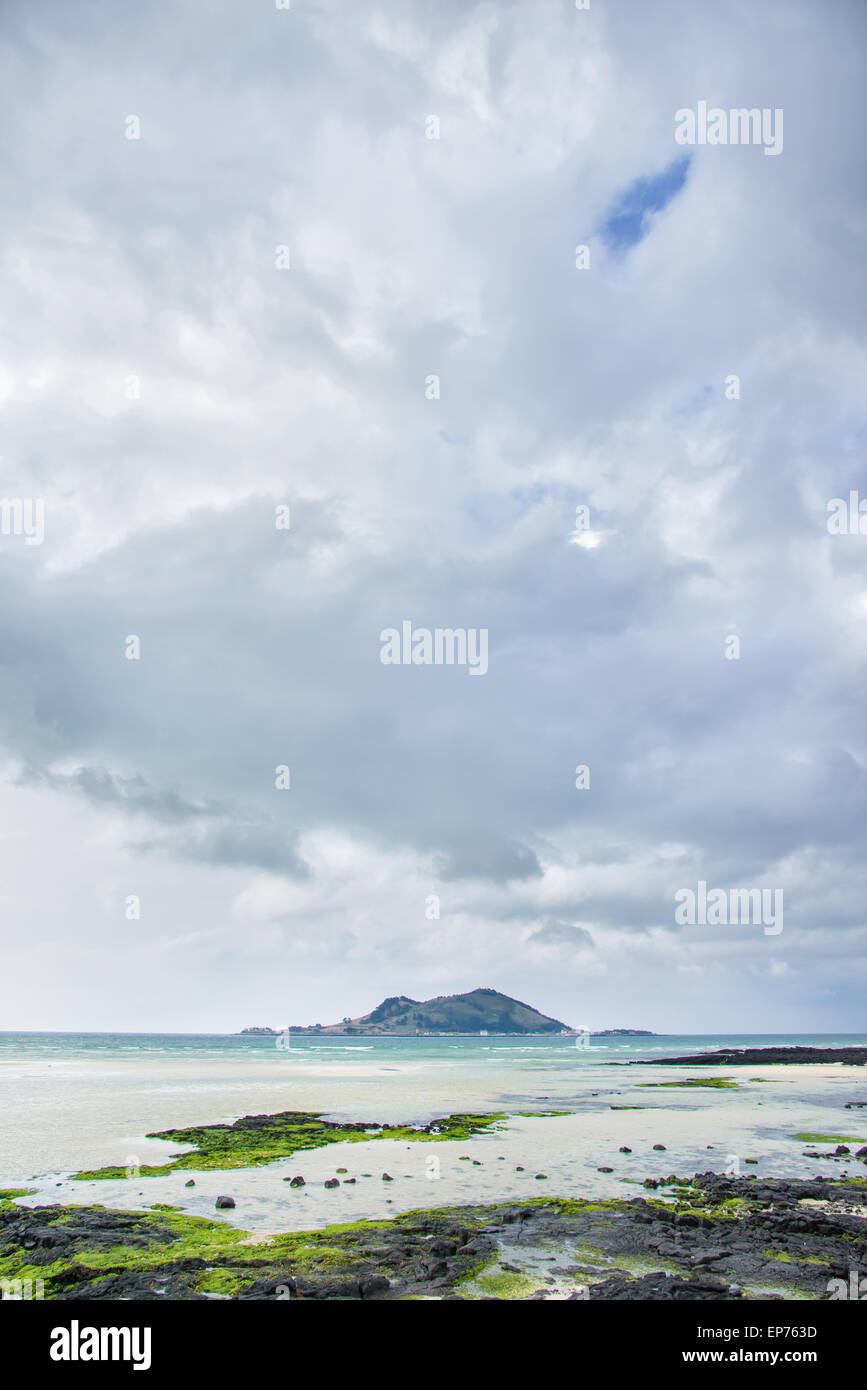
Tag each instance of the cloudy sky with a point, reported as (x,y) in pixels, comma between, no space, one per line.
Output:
(168,381)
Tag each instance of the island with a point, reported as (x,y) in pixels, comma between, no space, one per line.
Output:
(478,1012)
(623,1033)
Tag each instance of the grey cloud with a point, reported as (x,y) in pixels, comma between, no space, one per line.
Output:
(130,794)
(556,933)
(559,387)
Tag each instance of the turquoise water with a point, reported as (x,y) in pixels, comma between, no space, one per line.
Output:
(71,1101)
(84,1100)
(215,1045)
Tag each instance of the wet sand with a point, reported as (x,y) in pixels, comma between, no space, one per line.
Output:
(703,1129)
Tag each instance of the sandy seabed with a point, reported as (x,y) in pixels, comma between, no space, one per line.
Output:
(93,1114)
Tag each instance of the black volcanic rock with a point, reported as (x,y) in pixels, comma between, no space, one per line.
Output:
(716,1238)
(753,1056)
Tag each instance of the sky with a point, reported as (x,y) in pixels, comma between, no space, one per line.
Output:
(327,259)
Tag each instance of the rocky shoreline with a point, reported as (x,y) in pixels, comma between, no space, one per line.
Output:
(713,1237)
(758,1056)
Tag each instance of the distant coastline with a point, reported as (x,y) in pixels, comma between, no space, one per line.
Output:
(312,1031)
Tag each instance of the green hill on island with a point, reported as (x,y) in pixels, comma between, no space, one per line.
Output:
(482,1010)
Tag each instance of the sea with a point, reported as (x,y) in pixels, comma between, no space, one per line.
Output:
(71,1101)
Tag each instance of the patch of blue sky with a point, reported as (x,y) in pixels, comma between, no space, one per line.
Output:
(630,218)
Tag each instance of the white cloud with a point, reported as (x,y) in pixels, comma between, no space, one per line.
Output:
(155,259)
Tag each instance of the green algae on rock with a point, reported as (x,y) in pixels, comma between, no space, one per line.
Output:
(714,1083)
(257,1139)
(722,1237)
(828,1139)
(542,1114)
(8,1194)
